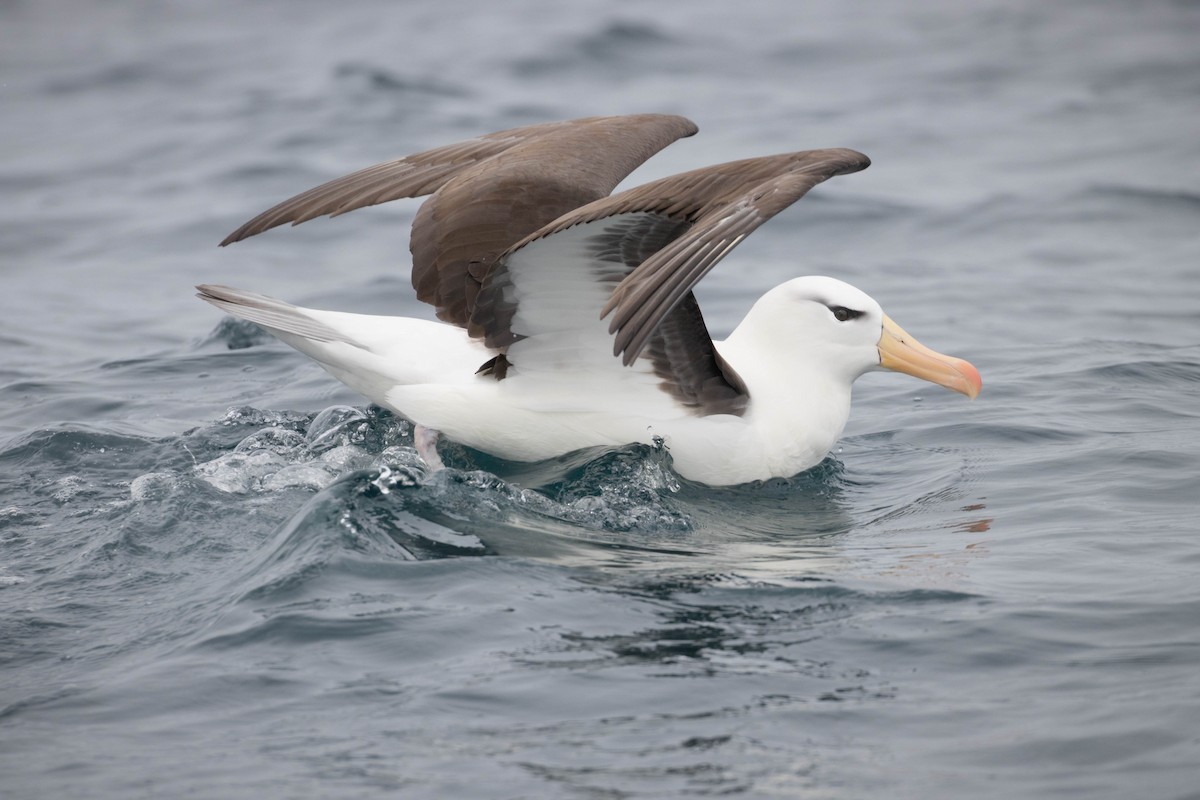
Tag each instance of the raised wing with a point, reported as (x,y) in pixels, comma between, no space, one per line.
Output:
(542,304)
(488,194)
(692,221)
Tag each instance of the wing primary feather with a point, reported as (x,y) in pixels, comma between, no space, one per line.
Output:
(631,339)
(426,172)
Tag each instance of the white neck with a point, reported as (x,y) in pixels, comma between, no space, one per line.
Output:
(799,401)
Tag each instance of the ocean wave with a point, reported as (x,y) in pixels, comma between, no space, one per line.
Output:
(618,45)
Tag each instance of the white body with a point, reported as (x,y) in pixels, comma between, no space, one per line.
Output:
(561,395)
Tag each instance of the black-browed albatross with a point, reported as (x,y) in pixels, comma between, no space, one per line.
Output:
(572,318)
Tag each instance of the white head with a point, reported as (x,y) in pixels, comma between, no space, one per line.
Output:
(834,329)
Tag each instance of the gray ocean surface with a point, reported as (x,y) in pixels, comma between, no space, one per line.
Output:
(223,575)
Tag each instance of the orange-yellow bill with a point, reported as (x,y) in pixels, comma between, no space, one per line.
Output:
(900,352)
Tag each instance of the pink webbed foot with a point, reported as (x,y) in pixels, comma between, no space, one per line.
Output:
(425,440)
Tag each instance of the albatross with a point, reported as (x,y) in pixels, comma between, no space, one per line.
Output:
(567,314)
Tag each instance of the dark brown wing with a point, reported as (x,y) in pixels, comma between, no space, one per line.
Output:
(720,205)
(460,233)
(691,369)
(488,194)
(411,176)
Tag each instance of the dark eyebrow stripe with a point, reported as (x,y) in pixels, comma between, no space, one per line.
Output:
(852,314)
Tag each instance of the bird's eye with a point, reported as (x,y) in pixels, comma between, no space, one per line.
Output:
(842,314)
